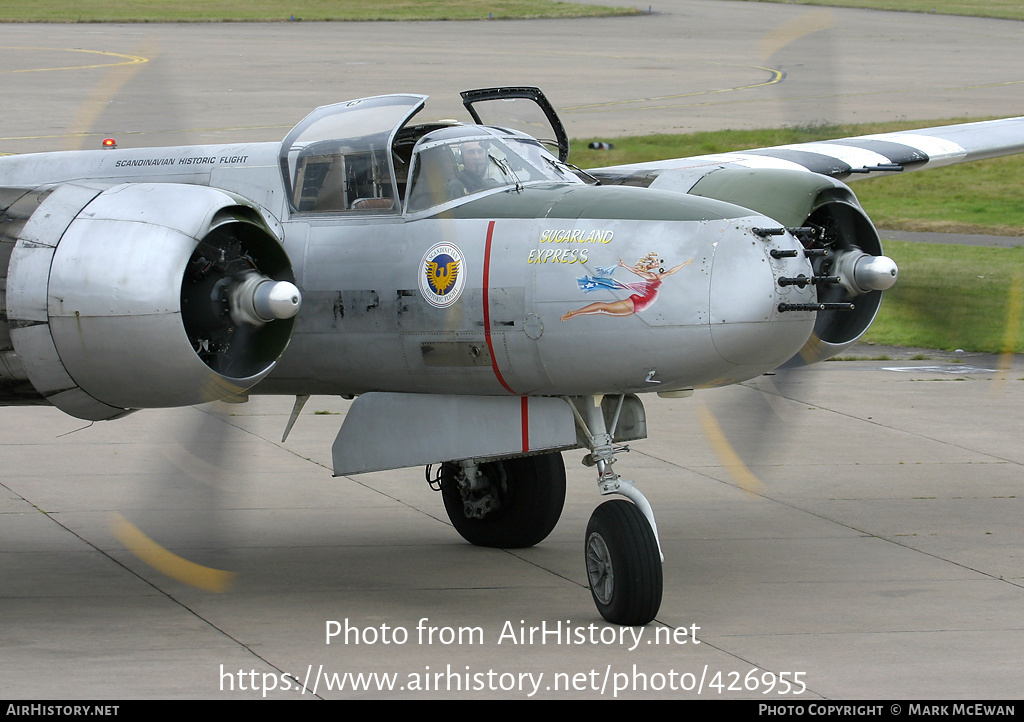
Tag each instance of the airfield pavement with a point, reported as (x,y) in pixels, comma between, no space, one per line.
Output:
(882,557)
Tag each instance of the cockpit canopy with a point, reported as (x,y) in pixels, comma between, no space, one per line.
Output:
(362,157)
(338,157)
(451,163)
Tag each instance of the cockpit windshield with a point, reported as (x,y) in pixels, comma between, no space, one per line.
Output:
(451,163)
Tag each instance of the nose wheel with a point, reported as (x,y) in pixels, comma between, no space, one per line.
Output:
(623,564)
(622,552)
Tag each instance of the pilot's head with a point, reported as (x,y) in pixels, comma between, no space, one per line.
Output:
(474,158)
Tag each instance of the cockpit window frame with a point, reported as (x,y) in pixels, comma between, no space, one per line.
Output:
(494,98)
(317,132)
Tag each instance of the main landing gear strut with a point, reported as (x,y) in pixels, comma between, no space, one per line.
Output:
(623,554)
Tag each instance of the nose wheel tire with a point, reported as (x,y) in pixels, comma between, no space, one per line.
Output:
(623,564)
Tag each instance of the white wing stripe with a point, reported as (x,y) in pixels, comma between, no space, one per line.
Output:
(852,156)
(940,151)
(914,150)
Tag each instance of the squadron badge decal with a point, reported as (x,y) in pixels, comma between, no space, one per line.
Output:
(442,275)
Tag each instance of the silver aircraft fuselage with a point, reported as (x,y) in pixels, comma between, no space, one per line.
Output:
(544,279)
(524,259)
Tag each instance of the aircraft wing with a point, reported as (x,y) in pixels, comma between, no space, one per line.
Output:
(845,159)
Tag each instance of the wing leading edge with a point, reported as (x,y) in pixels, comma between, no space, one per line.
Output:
(845,159)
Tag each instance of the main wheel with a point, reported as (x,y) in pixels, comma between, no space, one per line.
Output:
(623,564)
(527,494)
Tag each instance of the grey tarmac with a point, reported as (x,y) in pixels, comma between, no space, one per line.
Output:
(880,558)
(691,65)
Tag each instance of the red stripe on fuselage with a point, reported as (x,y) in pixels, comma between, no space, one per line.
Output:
(487,310)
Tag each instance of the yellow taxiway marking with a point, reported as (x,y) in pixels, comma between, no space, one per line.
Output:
(111,84)
(124,59)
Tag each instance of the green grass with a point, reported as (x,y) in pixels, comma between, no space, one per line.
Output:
(981,197)
(951,297)
(94,11)
(1011,9)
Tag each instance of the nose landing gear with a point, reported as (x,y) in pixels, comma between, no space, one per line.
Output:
(622,551)
(516,502)
(623,564)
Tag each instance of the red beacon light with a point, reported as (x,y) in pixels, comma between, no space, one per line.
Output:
(109,143)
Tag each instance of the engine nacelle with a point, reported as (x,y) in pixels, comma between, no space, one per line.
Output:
(128,297)
(800,199)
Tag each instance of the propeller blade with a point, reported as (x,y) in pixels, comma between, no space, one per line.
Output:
(183,502)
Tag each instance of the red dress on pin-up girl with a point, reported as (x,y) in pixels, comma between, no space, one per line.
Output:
(645,291)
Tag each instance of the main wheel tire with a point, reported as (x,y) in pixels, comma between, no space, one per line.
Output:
(531,499)
(623,564)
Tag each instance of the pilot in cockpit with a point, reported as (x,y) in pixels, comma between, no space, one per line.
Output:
(473,176)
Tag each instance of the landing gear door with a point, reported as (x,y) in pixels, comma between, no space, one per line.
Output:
(523,109)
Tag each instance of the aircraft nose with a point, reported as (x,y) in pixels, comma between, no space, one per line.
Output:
(747,328)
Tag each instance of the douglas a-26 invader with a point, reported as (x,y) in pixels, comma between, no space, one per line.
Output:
(488,305)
